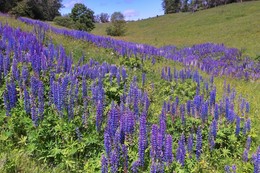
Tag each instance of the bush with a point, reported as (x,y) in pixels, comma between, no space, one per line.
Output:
(117,28)
(64,21)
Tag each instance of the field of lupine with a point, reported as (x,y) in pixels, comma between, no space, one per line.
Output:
(144,109)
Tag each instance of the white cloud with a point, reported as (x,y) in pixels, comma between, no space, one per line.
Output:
(71,4)
(130,13)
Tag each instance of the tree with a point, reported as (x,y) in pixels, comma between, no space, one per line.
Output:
(36,9)
(104,17)
(118,26)
(171,6)
(83,17)
(7,5)
(97,18)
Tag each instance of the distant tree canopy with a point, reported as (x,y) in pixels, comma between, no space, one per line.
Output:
(118,26)
(83,17)
(104,17)
(36,9)
(175,6)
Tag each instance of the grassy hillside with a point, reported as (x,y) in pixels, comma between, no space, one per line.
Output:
(235,25)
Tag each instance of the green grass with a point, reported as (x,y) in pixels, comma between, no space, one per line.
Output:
(235,25)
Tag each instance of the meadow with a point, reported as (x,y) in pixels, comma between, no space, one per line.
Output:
(235,25)
(76,102)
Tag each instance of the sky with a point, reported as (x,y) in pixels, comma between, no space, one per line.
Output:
(132,9)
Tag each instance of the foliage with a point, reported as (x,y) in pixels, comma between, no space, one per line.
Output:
(104,17)
(64,21)
(175,6)
(83,17)
(44,10)
(118,27)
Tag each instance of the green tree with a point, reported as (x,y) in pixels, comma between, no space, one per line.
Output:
(7,5)
(37,9)
(104,17)
(83,17)
(118,26)
(171,6)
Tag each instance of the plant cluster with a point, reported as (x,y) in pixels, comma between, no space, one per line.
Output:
(97,117)
(214,59)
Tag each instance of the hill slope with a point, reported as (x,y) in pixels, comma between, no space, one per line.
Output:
(235,25)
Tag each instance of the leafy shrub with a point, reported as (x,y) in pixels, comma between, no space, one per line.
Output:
(116,29)
(64,21)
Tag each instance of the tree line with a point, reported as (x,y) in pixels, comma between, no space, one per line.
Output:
(36,9)
(175,6)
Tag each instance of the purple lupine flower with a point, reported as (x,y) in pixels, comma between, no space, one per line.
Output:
(153,60)
(40,99)
(142,140)
(107,143)
(256,161)
(237,126)
(180,153)
(182,111)
(25,74)
(99,114)
(248,125)
(160,167)
(135,166)
(188,107)
(227,105)
(153,141)
(153,168)
(190,144)
(113,119)
(84,88)
(214,128)
(162,124)
(34,86)
(247,107)
(12,94)
(117,142)
(6,103)
(146,103)
(245,155)
(216,112)
(211,142)
(160,144)
(204,111)
(104,164)
(234,168)
(128,122)
(227,169)
(125,156)
(15,71)
(168,149)
(248,143)
(27,106)
(79,134)
(114,161)
(199,144)
(124,75)
(33,111)
(212,97)
(118,78)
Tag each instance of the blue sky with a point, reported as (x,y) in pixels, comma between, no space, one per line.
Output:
(132,9)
